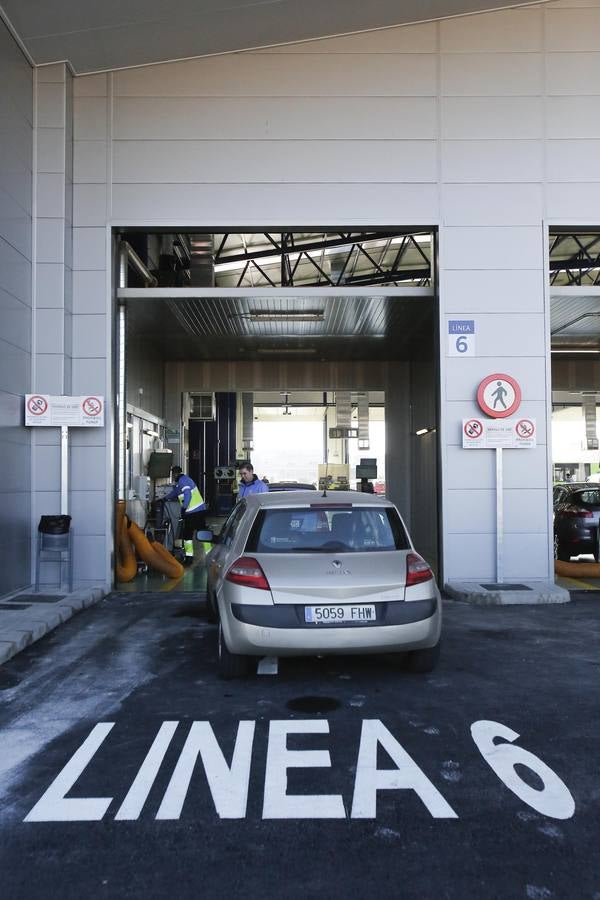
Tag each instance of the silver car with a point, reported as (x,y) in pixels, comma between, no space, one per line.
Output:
(300,574)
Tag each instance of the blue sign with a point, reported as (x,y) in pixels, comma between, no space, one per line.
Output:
(461,326)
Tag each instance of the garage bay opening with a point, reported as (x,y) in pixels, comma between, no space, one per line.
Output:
(311,355)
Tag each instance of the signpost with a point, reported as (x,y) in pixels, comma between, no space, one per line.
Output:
(48,411)
(461,337)
(499,397)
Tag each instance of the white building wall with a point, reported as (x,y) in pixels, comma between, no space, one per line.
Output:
(485,125)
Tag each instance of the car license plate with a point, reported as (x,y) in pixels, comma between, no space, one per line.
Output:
(328,615)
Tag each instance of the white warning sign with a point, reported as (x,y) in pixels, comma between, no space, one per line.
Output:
(510,434)
(76,412)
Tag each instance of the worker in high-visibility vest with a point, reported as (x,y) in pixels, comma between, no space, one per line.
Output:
(193,510)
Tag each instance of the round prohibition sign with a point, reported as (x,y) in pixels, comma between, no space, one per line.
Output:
(473,429)
(92,406)
(37,406)
(499,395)
(525,428)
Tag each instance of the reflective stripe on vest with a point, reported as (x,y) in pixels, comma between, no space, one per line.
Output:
(196,500)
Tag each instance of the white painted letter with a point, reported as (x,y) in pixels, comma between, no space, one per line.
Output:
(407,775)
(137,795)
(53,806)
(228,786)
(278,804)
(553,799)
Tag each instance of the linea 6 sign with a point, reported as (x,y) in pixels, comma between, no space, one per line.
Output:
(85,411)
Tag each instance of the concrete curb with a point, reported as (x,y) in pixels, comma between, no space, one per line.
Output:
(19,628)
(527,593)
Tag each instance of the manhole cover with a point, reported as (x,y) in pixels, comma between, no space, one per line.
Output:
(312,704)
(506,587)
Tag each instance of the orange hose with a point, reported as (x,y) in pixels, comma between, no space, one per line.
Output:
(126,564)
(162,562)
(576,570)
(168,557)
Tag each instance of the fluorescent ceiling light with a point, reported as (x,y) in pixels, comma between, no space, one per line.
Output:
(150,432)
(293,315)
(571,352)
(287,351)
(423,431)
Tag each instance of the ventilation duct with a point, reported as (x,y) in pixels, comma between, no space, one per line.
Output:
(202,263)
(343,409)
(247,421)
(363,421)
(589,412)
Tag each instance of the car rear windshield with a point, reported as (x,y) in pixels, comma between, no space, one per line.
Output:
(588,498)
(352,529)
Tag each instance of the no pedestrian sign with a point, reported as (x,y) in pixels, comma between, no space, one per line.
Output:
(86,411)
(499,395)
(509,434)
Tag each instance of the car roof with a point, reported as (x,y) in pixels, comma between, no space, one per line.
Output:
(315,498)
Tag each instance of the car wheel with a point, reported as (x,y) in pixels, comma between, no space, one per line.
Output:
(559,550)
(423,660)
(212,612)
(231,665)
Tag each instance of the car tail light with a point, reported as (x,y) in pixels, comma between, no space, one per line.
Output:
(573,512)
(247,571)
(417,570)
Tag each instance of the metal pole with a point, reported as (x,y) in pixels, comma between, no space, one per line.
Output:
(122,379)
(64,470)
(499,518)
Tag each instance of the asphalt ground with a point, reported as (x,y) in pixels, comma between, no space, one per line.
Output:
(454,830)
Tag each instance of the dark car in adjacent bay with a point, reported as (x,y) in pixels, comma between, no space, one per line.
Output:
(576,520)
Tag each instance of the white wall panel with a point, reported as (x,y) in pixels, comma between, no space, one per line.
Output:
(492,161)
(492,118)
(526,556)
(50,195)
(89,122)
(308,204)
(49,329)
(276,118)
(280,75)
(91,85)
(89,376)
(89,336)
(463,375)
(463,468)
(492,248)
(88,509)
(469,556)
(274,161)
(567,29)
(89,291)
(580,202)
(50,150)
(51,106)
(573,117)
(89,203)
(492,204)
(526,509)
(471,510)
(89,248)
(15,317)
(492,74)
(511,29)
(89,161)
(573,161)
(573,73)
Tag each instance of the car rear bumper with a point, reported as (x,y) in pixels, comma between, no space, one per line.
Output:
(279,631)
